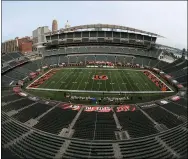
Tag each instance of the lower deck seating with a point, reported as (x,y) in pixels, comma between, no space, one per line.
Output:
(161,64)
(11,131)
(15,75)
(56,120)
(182,79)
(31,66)
(163,117)
(177,140)
(93,125)
(37,146)
(17,105)
(136,123)
(31,112)
(10,98)
(178,73)
(179,110)
(182,101)
(7,81)
(144,149)
(89,150)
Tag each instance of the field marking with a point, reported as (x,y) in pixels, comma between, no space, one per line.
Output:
(111,81)
(111,69)
(87,80)
(81,79)
(64,74)
(93,81)
(128,80)
(38,78)
(123,80)
(67,84)
(75,79)
(105,82)
(117,82)
(87,91)
(160,80)
(141,83)
(137,83)
(148,85)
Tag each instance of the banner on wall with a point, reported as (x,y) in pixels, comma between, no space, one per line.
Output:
(70,106)
(148,105)
(98,109)
(125,108)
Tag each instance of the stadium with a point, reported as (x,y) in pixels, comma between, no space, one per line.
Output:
(95,91)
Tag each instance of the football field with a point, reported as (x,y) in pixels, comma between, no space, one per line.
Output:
(99,80)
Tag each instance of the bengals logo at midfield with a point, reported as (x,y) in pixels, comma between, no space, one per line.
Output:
(100,77)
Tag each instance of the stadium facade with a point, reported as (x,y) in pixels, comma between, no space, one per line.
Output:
(47,111)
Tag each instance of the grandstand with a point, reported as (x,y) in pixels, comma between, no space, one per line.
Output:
(47,113)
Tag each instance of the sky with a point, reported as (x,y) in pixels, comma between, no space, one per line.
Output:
(168,19)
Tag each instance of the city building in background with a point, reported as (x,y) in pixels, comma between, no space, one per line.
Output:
(10,46)
(54,26)
(23,45)
(39,37)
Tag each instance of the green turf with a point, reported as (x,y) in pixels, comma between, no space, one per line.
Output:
(118,80)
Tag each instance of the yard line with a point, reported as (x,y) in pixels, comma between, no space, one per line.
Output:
(45,84)
(105,85)
(93,81)
(63,77)
(118,83)
(64,74)
(128,81)
(123,81)
(137,83)
(80,82)
(144,81)
(150,88)
(75,80)
(87,80)
(67,84)
(111,81)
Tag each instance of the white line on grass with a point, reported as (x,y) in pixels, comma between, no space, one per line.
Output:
(150,88)
(80,82)
(160,80)
(88,91)
(93,81)
(38,78)
(123,81)
(87,80)
(64,75)
(118,83)
(68,77)
(111,80)
(127,80)
(141,81)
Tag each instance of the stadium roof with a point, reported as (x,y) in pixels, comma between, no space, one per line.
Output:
(108,26)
